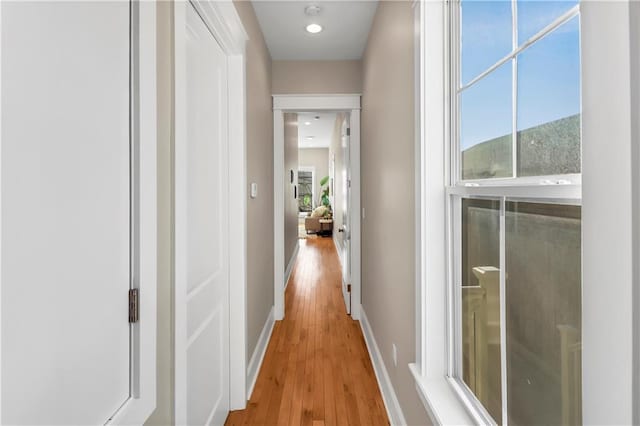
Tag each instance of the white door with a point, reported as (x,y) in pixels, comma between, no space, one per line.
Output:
(65,235)
(202,236)
(346,228)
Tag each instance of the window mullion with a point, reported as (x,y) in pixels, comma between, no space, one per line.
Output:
(503,249)
(514,89)
(503,312)
(454,85)
(455,285)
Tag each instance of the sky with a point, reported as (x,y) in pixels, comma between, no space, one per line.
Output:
(548,71)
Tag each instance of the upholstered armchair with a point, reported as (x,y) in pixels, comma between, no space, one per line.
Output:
(312,222)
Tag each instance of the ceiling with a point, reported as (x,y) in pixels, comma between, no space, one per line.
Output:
(316,134)
(346,28)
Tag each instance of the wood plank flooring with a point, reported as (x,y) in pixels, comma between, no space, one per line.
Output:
(317,369)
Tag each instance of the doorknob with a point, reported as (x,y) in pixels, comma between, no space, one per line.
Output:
(342,228)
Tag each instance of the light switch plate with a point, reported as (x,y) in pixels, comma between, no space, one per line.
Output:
(254,190)
(394,354)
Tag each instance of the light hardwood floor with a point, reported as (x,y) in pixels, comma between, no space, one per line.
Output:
(317,369)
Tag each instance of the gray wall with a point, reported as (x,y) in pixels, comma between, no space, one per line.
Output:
(163,414)
(308,77)
(318,158)
(259,170)
(388,230)
(290,202)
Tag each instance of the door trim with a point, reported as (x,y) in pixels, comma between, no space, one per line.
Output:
(225,25)
(144,218)
(296,103)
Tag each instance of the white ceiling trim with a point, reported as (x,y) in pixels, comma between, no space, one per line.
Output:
(296,103)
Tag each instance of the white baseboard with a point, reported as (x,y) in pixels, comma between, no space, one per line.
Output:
(292,261)
(338,249)
(394,411)
(258,354)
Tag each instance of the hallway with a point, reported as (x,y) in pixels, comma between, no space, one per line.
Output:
(317,369)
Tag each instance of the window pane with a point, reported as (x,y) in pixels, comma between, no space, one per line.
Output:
(534,15)
(549,104)
(485,126)
(544,314)
(486,35)
(481,302)
(305,191)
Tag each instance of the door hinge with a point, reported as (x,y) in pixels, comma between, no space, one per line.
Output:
(133,305)
(348,288)
(349,131)
(349,183)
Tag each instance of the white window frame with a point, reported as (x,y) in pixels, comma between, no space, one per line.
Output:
(610,212)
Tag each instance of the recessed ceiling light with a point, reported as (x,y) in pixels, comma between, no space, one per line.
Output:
(307,123)
(314,28)
(312,10)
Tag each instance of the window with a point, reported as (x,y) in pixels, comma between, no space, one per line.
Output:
(305,188)
(537,222)
(514,209)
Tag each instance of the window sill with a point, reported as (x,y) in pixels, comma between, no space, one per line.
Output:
(440,400)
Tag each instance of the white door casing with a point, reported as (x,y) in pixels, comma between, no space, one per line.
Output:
(296,103)
(210,214)
(78,212)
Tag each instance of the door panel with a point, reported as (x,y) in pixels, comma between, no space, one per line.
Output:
(65,211)
(346,221)
(207,198)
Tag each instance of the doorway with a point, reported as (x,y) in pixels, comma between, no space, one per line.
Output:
(345,172)
(307,203)
(315,137)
